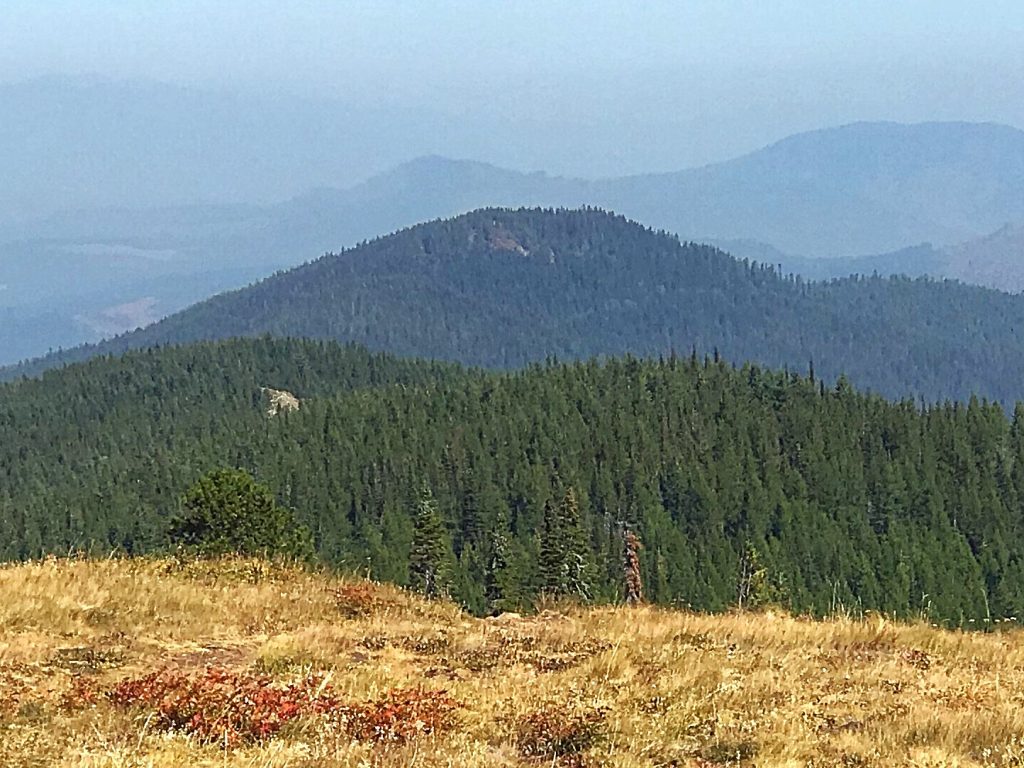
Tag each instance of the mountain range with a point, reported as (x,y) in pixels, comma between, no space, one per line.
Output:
(943,199)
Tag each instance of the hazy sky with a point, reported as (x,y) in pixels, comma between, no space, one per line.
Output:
(658,85)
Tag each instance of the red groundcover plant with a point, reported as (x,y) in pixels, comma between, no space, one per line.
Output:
(241,707)
(219,705)
(401,714)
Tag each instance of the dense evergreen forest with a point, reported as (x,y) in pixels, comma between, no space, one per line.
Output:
(501,288)
(740,483)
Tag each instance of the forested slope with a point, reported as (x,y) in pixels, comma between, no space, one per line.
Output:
(829,496)
(501,288)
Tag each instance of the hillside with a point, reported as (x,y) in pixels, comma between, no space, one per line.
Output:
(836,497)
(868,188)
(626,687)
(502,288)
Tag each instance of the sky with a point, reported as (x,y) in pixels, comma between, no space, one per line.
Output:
(643,86)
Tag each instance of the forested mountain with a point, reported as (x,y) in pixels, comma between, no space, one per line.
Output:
(738,481)
(867,188)
(501,288)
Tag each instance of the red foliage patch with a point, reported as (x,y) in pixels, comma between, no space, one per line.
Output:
(360,599)
(241,707)
(218,705)
(400,715)
(13,692)
(82,694)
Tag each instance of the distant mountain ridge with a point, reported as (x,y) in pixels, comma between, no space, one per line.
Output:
(847,191)
(503,288)
(994,261)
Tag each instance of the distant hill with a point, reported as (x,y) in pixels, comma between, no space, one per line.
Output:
(502,288)
(861,188)
(994,261)
(89,143)
(59,295)
(847,191)
(924,260)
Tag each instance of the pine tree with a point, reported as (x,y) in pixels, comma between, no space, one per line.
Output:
(496,573)
(564,554)
(754,589)
(429,570)
(577,552)
(551,560)
(470,515)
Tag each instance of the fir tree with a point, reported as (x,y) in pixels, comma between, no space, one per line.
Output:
(552,558)
(564,552)
(577,551)
(496,573)
(429,556)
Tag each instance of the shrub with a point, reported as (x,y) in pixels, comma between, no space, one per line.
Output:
(729,752)
(83,693)
(227,511)
(235,708)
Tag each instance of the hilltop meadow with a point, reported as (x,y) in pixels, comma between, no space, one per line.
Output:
(170,662)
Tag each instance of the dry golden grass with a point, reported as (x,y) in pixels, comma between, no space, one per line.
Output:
(635,686)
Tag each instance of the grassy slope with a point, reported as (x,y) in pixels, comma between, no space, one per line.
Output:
(678,688)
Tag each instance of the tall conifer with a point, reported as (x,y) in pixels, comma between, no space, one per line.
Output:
(428,559)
